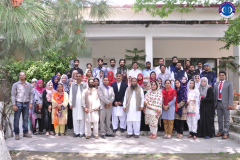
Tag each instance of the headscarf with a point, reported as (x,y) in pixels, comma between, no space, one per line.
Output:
(54,84)
(49,92)
(59,99)
(100,79)
(87,73)
(153,79)
(39,89)
(184,85)
(182,96)
(84,77)
(140,81)
(111,78)
(148,86)
(65,84)
(169,96)
(203,89)
(124,77)
(34,80)
(197,84)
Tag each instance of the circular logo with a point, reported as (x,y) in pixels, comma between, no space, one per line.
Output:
(226,10)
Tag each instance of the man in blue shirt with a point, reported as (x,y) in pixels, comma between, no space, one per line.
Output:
(211,76)
(148,70)
(100,67)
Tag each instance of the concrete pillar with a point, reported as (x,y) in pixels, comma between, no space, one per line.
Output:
(149,49)
(236,82)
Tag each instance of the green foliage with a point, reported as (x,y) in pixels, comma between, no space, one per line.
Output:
(40,69)
(136,57)
(228,63)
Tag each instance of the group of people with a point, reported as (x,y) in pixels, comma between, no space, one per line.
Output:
(129,99)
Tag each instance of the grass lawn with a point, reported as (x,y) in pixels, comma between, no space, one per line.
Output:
(28,155)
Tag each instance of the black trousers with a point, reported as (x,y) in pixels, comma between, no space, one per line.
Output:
(39,121)
(179,126)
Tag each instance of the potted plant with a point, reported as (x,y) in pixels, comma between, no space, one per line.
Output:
(235,101)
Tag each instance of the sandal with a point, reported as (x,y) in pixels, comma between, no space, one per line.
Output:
(36,133)
(165,136)
(150,136)
(189,136)
(169,137)
(180,136)
(40,132)
(52,133)
(47,133)
(154,136)
(194,137)
(56,135)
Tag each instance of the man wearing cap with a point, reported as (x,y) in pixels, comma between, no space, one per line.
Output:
(134,71)
(91,105)
(148,70)
(211,76)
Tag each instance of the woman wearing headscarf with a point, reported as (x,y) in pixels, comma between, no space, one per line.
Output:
(206,123)
(153,108)
(153,76)
(37,107)
(192,109)
(89,73)
(181,114)
(140,79)
(111,78)
(47,108)
(59,111)
(64,80)
(55,82)
(146,86)
(197,81)
(169,105)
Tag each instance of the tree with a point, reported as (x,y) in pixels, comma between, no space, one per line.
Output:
(136,57)
(232,35)
(34,26)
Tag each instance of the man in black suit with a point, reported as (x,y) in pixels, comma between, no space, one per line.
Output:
(119,88)
(200,69)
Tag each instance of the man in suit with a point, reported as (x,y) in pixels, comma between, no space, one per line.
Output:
(200,69)
(106,96)
(119,88)
(223,98)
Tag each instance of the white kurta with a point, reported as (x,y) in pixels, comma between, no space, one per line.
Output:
(133,114)
(78,113)
(134,73)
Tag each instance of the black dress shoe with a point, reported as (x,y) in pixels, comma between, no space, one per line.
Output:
(76,135)
(110,135)
(81,135)
(114,130)
(128,136)
(122,130)
(103,136)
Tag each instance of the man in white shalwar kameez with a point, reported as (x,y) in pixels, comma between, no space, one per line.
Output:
(133,105)
(75,102)
(91,105)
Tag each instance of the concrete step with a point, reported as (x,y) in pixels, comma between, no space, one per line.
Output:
(236,119)
(235,127)
(234,136)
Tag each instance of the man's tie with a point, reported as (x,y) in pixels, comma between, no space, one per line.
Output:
(219,91)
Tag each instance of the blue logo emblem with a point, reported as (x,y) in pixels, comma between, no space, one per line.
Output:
(226,10)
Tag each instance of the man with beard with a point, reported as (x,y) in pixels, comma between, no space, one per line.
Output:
(91,105)
(106,96)
(173,66)
(187,64)
(200,69)
(75,102)
(158,68)
(148,70)
(76,64)
(112,68)
(177,74)
(191,72)
(134,71)
(122,69)
(133,105)
(100,67)
(211,76)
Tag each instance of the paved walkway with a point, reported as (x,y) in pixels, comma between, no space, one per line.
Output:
(122,145)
